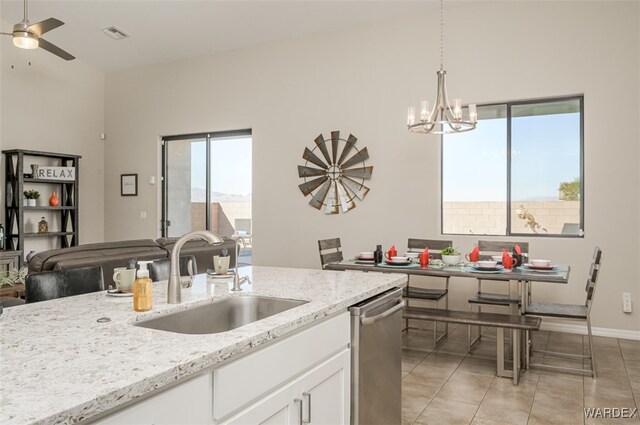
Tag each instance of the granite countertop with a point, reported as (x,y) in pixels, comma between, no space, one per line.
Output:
(59,365)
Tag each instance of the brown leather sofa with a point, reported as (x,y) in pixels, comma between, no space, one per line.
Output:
(110,255)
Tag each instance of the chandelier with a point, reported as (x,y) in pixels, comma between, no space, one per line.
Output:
(442,119)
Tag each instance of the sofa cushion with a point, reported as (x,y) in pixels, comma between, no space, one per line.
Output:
(47,260)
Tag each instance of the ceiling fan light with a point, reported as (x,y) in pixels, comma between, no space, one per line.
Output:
(25,40)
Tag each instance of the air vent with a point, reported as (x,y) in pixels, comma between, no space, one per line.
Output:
(115,32)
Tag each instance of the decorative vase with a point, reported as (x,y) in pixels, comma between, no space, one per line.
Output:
(34,170)
(54,201)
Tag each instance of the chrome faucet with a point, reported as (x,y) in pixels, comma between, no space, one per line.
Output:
(174,289)
(237,280)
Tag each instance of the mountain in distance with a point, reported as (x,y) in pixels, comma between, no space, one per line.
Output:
(199,195)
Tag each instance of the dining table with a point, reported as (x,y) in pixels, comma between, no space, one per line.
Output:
(517,278)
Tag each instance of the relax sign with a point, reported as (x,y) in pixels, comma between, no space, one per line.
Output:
(56,173)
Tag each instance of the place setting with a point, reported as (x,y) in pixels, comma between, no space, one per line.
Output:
(487,266)
(365,258)
(392,259)
(540,266)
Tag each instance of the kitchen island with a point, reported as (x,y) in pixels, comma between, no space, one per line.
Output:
(59,364)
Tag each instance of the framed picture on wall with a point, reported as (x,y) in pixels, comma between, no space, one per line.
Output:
(128,185)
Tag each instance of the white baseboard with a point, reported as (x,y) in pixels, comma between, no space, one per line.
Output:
(582,329)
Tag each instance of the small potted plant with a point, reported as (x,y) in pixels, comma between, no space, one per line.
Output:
(451,256)
(31,197)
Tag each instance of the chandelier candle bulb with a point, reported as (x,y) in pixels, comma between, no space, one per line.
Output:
(424,110)
(473,113)
(411,116)
(457,108)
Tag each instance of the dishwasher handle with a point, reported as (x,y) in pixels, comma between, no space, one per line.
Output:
(371,320)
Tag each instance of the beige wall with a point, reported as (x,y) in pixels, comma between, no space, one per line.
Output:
(55,106)
(361,81)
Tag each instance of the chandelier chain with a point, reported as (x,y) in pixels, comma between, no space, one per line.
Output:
(441,35)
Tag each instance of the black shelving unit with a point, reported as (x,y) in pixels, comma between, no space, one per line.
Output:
(15,209)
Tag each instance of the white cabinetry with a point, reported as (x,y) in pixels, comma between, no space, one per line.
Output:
(301,379)
(320,396)
(186,404)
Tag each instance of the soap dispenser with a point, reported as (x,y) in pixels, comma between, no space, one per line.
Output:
(142,288)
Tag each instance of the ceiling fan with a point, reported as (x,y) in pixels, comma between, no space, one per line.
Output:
(28,36)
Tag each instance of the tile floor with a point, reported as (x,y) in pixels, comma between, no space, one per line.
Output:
(449,386)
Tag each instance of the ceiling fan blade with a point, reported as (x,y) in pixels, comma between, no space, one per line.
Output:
(52,48)
(45,26)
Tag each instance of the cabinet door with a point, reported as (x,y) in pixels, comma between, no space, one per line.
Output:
(325,392)
(276,409)
(325,389)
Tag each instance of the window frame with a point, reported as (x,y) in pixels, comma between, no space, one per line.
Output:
(508,231)
(208,137)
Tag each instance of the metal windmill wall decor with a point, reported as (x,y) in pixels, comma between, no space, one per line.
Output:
(338,181)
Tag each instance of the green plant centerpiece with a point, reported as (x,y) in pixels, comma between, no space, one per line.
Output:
(11,277)
(31,197)
(31,194)
(451,256)
(450,250)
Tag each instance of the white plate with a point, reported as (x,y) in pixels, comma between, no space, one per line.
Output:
(364,258)
(116,293)
(488,269)
(529,269)
(545,268)
(214,275)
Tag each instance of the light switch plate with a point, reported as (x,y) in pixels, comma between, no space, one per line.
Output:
(626,302)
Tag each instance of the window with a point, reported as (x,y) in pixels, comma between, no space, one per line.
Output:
(520,172)
(207,184)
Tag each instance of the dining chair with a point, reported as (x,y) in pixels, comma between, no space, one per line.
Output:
(581,312)
(488,249)
(334,253)
(160,269)
(434,295)
(50,285)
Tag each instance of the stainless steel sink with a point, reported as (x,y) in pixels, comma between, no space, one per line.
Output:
(221,316)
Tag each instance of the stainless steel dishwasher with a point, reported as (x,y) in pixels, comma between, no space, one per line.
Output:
(376,360)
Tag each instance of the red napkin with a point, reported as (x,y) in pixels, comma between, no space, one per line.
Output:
(424,258)
(475,254)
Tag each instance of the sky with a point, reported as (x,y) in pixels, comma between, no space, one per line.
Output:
(230,165)
(545,152)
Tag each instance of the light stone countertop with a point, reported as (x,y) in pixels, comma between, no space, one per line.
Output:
(58,365)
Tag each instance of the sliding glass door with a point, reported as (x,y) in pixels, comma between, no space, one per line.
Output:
(207,184)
